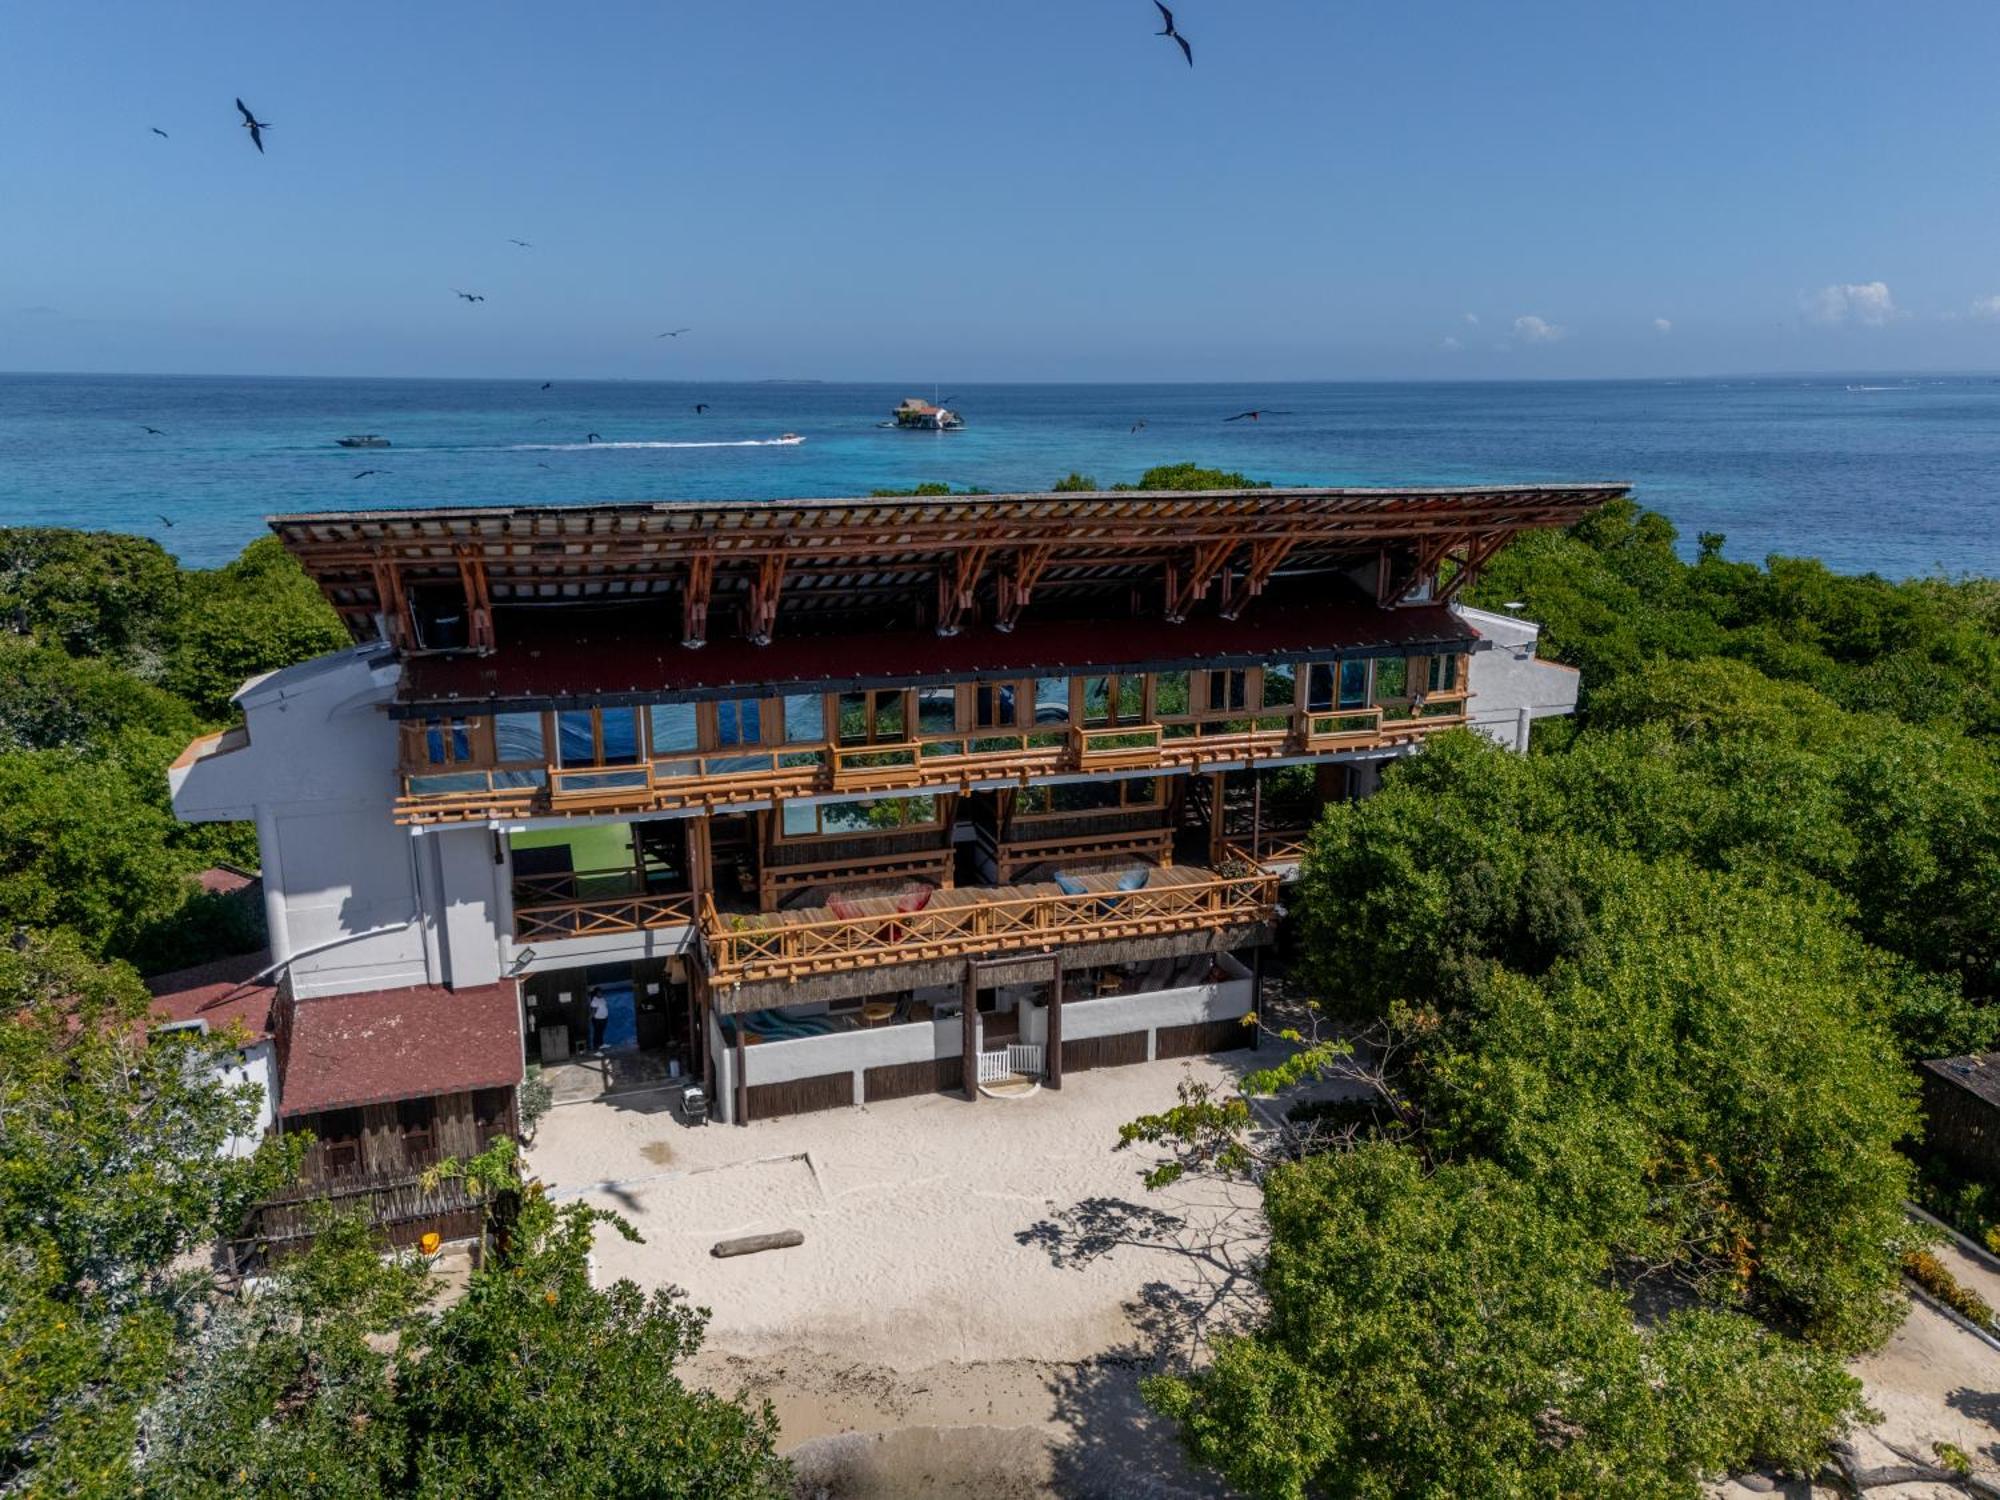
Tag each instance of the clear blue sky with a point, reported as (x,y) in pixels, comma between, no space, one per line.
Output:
(1028,190)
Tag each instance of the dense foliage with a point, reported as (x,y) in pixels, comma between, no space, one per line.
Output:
(342,1378)
(111,1172)
(1653,991)
(111,660)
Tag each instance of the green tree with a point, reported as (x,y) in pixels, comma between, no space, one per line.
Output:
(344,1379)
(1438,1333)
(93,593)
(258,613)
(112,1171)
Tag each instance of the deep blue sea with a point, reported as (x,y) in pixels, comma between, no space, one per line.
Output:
(1897,476)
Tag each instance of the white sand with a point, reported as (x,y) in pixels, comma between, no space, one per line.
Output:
(982,1286)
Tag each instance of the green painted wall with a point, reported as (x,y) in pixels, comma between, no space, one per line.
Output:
(594,846)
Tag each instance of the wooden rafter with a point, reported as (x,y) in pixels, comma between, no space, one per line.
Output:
(395,604)
(1478,553)
(478,603)
(1017,585)
(1187,585)
(761,613)
(1429,551)
(957,581)
(1265,559)
(696,592)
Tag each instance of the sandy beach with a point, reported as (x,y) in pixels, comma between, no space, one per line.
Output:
(983,1286)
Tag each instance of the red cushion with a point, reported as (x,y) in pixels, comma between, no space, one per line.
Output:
(915,900)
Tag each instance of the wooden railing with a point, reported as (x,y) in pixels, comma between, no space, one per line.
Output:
(741,949)
(543,920)
(720,779)
(1266,847)
(1015,855)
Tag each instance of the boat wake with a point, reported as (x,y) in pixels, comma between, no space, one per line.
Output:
(777,442)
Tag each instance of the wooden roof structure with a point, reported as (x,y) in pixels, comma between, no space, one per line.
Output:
(959,558)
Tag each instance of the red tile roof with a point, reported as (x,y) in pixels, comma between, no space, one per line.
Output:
(343,1051)
(218,993)
(227,880)
(566,658)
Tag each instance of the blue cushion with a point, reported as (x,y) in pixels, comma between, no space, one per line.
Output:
(1133,880)
(1070,885)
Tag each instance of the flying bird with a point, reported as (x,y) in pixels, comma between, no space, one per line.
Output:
(674,333)
(255,126)
(165,137)
(366,472)
(700,407)
(590,437)
(154,430)
(164,521)
(1138,424)
(522,243)
(541,466)
(1256,415)
(1167,18)
(470,296)
(547,383)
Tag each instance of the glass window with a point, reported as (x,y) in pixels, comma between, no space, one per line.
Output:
(621,736)
(1096,701)
(888,716)
(1143,792)
(805,719)
(1280,686)
(994,705)
(1354,683)
(517,737)
(1319,687)
(576,741)
(1170,694)
(1131,698)
(838,818)
(1051,700)
(937,710)
(672,726)
(1392,677)
(1226,690)
(447,742)
(1443,674)
(801,820)
(738,722)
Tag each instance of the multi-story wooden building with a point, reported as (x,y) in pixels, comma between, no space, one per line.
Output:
(832,801)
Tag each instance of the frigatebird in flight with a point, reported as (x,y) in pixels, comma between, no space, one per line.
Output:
(590,437)
(366,472)
(255,126)
(154,430)
(1167,17)
(547,383)
(1256,415)
(159,132)
(674,333)
(470,296)
(1138,424)
(700,407)
(164,521)
(522,243)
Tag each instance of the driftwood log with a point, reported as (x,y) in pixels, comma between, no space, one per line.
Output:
(750,1244)
(1846,1474)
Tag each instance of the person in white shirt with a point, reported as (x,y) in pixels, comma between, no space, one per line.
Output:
(600,1016)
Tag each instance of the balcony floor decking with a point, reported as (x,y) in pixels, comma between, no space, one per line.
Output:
(969,921)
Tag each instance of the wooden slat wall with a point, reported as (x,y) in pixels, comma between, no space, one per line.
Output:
(1104,1051)
(904,1080)
(1199,1038)
(800,1096)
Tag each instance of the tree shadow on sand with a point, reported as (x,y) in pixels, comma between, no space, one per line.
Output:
(1117,1447)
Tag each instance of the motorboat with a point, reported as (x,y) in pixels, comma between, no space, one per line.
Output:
(364,440)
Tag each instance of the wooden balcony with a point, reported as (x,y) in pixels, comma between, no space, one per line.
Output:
(590,903)
(716,781)
(966,922)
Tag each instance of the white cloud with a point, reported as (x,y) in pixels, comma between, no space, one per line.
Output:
(1530,329)
(1472,320)
(1663,325)
(1986,307)
(1865,302)
(1451,343)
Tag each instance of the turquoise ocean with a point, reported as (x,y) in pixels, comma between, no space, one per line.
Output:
(1898,476)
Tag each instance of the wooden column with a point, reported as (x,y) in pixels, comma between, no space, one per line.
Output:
(969,1026)
(742,1082)
(701,879)
(1053,1072)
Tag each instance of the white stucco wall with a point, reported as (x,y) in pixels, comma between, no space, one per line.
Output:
(353,901)
(1510,686)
